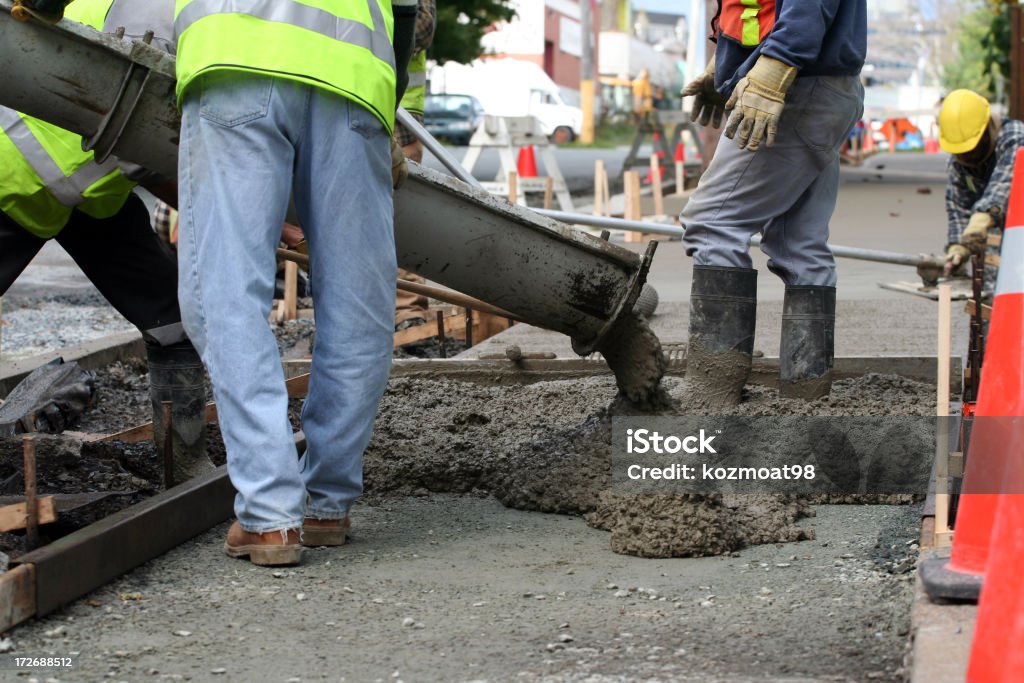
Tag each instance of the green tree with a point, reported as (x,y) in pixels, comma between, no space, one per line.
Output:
(982,61)
(460,26)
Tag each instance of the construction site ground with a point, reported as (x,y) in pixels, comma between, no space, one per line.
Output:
(459,587)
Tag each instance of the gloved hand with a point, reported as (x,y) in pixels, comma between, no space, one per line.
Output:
(957,256)
(708,103)
(757,102)
(975,235)
(399,171)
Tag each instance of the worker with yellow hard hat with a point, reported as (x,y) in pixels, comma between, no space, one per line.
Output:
(983,147)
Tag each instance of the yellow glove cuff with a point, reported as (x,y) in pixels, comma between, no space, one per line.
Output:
(771,74)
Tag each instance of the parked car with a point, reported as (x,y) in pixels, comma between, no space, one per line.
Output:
(453,117)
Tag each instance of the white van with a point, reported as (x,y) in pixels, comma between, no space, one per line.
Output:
(512,87)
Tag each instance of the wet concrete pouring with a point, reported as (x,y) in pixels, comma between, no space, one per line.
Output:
(452,575)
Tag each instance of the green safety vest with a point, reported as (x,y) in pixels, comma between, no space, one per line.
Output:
(340,45)
(45,174)
(415,95)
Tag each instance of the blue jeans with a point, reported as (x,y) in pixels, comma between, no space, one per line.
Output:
(248,143)
(786,192)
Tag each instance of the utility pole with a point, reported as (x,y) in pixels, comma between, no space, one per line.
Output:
(1016,61)
(587,72)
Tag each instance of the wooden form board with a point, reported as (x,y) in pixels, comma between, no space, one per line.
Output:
(16,516)
(485,326)
(17,596)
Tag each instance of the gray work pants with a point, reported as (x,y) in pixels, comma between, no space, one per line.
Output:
(786,192)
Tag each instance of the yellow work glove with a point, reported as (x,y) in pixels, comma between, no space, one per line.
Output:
(708,103)
(399,171)
(975,235)
(757,102)
(957,256)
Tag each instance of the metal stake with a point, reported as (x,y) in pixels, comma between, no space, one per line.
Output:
(440,333)
(31,503)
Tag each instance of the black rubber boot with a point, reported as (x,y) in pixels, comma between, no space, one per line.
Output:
(723,308)
(176,374)
(808,342)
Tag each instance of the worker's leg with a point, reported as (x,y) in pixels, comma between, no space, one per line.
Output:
(235,166)
(796,241)
(348,216)
(18,247)
(126,260)
(797,246)
(130,266)
(742,192)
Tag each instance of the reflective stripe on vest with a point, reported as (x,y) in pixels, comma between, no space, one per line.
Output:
(747,21)
(303,16)
(68,190)
(415,96)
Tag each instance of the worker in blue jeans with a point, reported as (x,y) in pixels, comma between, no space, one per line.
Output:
(788,76)
(284,100)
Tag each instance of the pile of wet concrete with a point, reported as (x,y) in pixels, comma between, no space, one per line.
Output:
(544,446)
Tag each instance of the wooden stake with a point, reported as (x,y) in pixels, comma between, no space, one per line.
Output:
(632,201)
(31,504)
(549,192)
(943,535)
(680,177)
(513,189)
(659,202)
(598,186)
(291,290)
(607,193)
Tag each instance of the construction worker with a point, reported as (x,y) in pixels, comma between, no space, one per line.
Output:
(277,102)
(642,97)
(788,78)
(410,308)
(51,189)
(983,148)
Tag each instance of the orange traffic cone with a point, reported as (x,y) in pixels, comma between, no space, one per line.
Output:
(526,165)
(658,149)
(996,653)
(931,146)
(994,438)
(869,138)
(680,152)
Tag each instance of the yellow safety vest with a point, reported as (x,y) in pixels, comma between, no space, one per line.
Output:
(45,174)
(415,97)
(344,46)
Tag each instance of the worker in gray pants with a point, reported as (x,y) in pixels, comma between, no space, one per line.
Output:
(794,94)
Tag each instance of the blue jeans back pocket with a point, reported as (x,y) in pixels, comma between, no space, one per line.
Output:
(231,98)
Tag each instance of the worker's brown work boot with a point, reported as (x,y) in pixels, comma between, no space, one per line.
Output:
(332,532)
(723,307)
(267,549)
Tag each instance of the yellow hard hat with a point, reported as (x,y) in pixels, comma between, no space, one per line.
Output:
(962,121)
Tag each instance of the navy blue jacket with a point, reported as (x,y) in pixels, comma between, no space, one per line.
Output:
(818,37)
